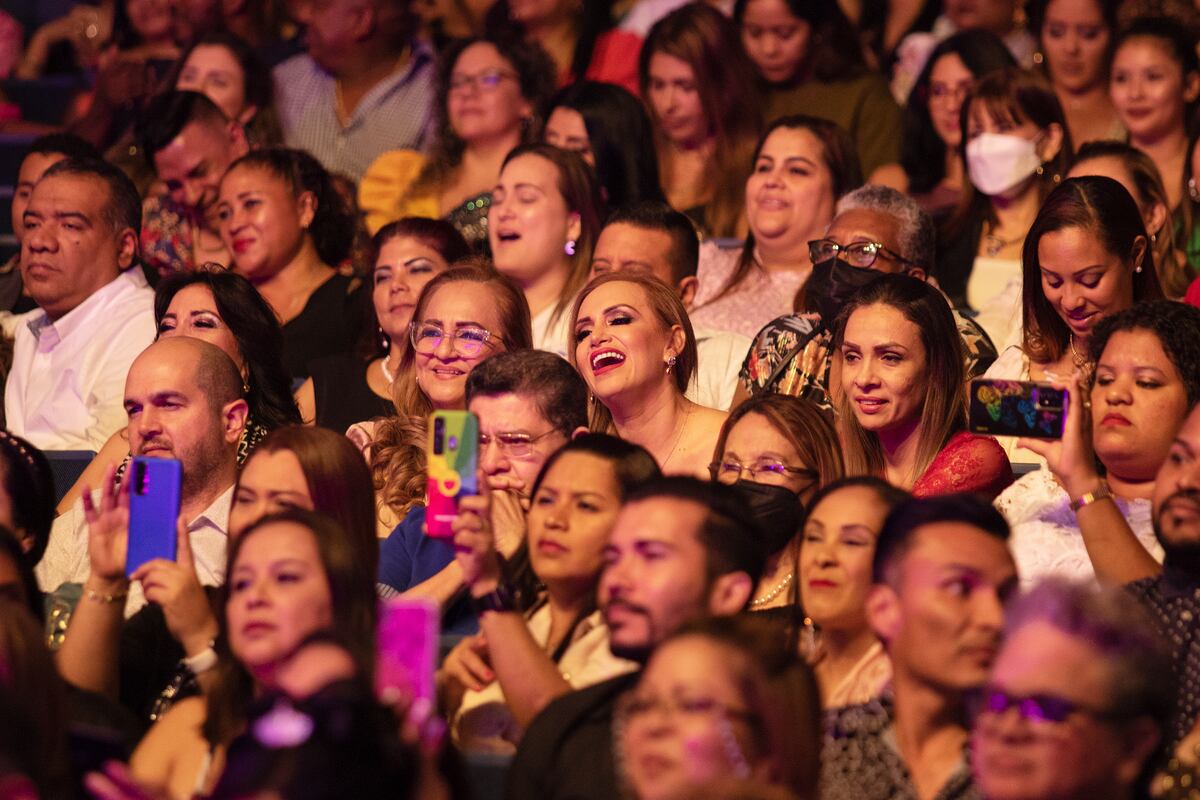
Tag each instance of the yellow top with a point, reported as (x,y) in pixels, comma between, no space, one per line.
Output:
(383,192)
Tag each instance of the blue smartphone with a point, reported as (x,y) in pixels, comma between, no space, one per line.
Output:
(154,496)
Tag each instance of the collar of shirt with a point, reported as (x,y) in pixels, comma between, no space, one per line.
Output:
(48,333)
(418,54)
(1176,583)
(209,535)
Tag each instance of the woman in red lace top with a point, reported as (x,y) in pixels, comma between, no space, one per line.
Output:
(901,408)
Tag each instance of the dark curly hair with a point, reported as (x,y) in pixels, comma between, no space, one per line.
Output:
(256,330)
(535,75)
(26,478)
(333,225)
(1177,326)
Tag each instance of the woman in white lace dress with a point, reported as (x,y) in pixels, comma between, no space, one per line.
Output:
(1147,377)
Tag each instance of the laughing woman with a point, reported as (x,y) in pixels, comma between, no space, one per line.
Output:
(635,348)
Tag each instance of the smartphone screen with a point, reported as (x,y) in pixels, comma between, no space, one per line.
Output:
(1016,408)
(154,497)
(408,646)
(452,456)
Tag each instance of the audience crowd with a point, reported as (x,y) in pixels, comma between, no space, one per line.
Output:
(713,291)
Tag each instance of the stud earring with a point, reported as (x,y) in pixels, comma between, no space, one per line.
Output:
(670,364)
(569,247)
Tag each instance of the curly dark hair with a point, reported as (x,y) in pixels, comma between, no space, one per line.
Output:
(256,330)
(1177,326)
(333,225)
(535,75)
(26,477)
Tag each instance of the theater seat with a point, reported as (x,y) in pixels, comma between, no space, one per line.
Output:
(67,466)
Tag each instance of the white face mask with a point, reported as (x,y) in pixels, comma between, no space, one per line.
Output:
(996,162)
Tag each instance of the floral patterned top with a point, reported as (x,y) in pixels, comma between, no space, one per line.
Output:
(172,241)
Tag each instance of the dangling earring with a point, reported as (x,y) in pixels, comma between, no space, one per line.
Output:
(384,341)
(670,364)
(1138,268)
(1040,170)
(569,247)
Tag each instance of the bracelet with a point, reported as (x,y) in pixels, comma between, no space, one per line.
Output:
(106,599)
(503,598)
(1101,492)
(203,661)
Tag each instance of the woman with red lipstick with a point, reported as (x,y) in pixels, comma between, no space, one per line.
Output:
(635,349)
(699,86)
(545,216)
(1154,86)
(1076,40)
(722,709)
(540,632)
(836,552)
(1086,257)
(1147,378)
(802,167)
(286,227)
(347,388)
(902,409)
(787,449)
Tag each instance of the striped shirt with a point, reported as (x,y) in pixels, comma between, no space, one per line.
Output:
(396,113)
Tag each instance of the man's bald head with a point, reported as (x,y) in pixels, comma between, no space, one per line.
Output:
(211,369)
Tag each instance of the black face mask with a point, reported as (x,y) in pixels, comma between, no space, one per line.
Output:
(776,511)
(834,283)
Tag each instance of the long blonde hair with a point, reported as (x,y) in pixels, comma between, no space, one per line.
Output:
(944,408)
(665,304)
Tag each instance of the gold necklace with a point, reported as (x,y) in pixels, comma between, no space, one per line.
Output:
(1080,361)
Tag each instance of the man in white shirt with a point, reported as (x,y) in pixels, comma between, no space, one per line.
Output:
(184,400)
(95,310)
(654,239)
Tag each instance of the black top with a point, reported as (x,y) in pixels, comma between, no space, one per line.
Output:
(342,394)
(566,753)
(329,324)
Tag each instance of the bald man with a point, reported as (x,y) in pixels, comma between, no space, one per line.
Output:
(184,400)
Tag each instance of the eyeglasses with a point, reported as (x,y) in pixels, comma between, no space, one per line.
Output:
(764,470)
(515,444)
(469,341)
(859,254)
(485,81)
(634,706)
(1045,708)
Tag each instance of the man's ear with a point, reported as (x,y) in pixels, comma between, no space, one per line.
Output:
(883,612)
(918,273)
(244,118)
(238,143)
(128,248)
(729,594)
(580,431)
(234,416)
(687,290)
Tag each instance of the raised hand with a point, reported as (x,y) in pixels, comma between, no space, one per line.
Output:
(108,530)
(509,506)
(1071,458)
(173,585)
(475,544)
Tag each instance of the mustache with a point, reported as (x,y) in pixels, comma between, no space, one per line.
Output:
(625,604)
(1186,495)
(152,443)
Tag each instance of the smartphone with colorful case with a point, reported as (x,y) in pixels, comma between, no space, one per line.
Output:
(452,455)
(408,647)
(1016,408)
(154,496)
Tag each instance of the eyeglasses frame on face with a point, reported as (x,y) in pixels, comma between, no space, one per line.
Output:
(1038,708)
(714,469)
(860,247)
(487,341)
(505,447)
(486,81)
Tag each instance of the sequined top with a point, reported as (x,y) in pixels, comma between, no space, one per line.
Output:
(860,759)
(1173,600)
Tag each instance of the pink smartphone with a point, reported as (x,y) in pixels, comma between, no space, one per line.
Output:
(408,646)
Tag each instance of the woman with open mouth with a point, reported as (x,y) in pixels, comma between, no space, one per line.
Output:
(634,347)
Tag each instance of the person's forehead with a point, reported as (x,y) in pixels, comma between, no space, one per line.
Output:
(959,544)
(865,224)
(87,194)
(35,165)
(163,370)
(665,519)
(507,411)
(1040,657)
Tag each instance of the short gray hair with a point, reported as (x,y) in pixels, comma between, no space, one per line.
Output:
(917,234)
(1119,628)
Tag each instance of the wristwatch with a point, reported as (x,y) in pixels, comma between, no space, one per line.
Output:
(1099,493)
(502,598)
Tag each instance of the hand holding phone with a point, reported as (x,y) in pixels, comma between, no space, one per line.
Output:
(1016,408)
(1072,459)
(452,458)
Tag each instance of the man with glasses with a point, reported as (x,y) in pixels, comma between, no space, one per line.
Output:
(877,230)
(1077,701)
(941,574)
(529,404)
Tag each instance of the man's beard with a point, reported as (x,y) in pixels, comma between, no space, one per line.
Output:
(1180,555)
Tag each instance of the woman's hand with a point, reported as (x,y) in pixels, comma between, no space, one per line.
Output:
(509,506)
(1071,458)
(467,664)
(108,532)
(475,544)
(173,585)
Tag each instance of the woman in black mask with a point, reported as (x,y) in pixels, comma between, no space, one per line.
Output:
(777,451)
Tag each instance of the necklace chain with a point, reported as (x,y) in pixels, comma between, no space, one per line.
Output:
(775,591)
(1079,360)
(387,373)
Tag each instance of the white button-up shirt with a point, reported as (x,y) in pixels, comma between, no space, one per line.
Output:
(66,558)
(66,390)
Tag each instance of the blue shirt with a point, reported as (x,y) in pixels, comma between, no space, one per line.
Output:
(408,557)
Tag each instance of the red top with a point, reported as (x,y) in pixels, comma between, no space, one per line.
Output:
(614,60)
(968,463)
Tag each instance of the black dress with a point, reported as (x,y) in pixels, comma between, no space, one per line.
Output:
(342,395)
(329,324)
